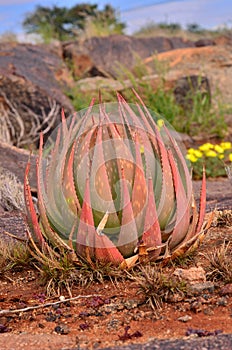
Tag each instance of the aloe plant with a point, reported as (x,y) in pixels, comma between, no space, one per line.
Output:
(115,188)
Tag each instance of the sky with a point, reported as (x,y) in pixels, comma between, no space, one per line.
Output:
(208,14)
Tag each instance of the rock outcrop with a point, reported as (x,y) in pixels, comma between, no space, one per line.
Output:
(32,80)
(104,56)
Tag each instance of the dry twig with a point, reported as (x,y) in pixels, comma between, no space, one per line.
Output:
(29,308)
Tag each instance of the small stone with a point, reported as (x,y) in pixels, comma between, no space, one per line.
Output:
(222,301)
(226,290)
(62,329)
(199,288)
(196,307)
(50,317)
(192,276)
(131,304)
(184,318)
(113,324)
(208,311)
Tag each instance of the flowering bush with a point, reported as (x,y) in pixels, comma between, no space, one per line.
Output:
(214,157)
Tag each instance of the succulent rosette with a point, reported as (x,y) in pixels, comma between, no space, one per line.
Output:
(114,187)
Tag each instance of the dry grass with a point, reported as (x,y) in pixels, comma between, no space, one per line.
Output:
(156,285)
(13,128)
(13,255)
(224,218)
(11,191)
(220,263)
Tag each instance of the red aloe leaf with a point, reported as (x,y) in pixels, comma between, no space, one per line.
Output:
(105,250)
(82,162)
(147,118)
(152,233)
(202,203)
(31,213)
(192,226)
(51,235)
(139,191)
(167,199)
(68,183)
(182,218)
(101,194)
(64,124)
(86,231)
(128,236)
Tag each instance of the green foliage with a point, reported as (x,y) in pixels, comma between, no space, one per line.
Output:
(61,23)
(195,28)
(48,22)
(78,99)
(151,28)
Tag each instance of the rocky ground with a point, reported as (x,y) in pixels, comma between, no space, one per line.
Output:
(112,314)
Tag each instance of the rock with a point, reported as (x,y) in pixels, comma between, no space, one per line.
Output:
(213,62)
(199,288)
(192,276)
(31,97)
(204,42)
(226,290)
(184,318)
(105,56)
(196,306)
(222,301)
(62,329)
(15,160)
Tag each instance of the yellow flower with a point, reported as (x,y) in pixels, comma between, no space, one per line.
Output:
(141,149)
(218,149)
(198,153)
(195,152)
(192,158)
(230,157)
(226,145)
(191,150)
(206,146)
(221,156)
(211,153)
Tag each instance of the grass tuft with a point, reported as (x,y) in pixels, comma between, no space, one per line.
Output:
(13,256)
(157,286)
(220,263)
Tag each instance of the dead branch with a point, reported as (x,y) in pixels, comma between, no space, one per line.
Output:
(13,125)
(29,308)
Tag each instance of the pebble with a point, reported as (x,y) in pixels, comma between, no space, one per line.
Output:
(62,329)
(131,304)
(222,301)
(191,276)
(184,318)
(196,307)
(226,290)
(198,288)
